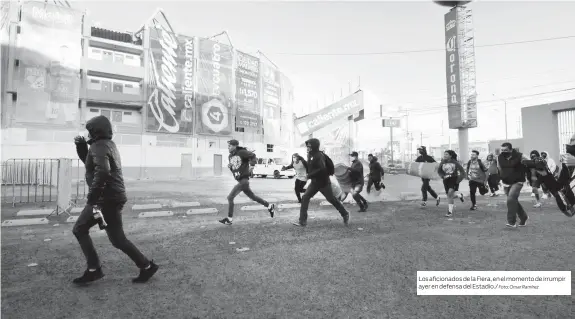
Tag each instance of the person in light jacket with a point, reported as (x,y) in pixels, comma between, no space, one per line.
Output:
(492,174)
(300,166)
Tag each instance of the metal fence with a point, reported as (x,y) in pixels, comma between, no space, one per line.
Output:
(36,180)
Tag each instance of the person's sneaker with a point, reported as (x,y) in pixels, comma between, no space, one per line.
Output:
(423,204)
(569,211)
(89,276)
(437,201)
(361,209)
(272,210)
(532,194)
(449,214)
(537,205)
(225,221)
(523,223)
(346,219)
(511,225)
(492,195)
(365,205)
(474,207)
(146,274)
(545,196)
(461,197)
(298,223)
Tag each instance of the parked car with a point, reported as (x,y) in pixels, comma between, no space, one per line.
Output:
(272,167)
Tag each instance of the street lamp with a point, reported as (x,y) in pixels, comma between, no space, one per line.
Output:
(505,111)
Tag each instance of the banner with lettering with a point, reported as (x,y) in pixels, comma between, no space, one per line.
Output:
(170,106)
(248,91)
(214,102)
(271,106)
(287,114)
(49,54)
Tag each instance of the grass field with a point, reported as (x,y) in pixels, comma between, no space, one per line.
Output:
(323,271)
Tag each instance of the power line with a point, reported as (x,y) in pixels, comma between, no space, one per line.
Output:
(424,50)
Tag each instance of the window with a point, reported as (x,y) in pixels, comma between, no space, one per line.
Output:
(117,116)
(95,53)
(119,57)
(132,88)
(118,87)
(107,56)
(270,148)
(133,60)
(94,84)
(106,113)
(240,129)
(106,86)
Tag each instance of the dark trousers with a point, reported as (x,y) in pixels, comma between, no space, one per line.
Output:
(356,194)
(554,187)
(243,185)
(299,188)
(493,182)
(425,187)
(313,189)
(473,186)
(514,208)
(373,182)
(113,215)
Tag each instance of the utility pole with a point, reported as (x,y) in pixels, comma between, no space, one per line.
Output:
(421,138)
(391,140)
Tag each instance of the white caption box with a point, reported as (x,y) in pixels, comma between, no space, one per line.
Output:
(494,283)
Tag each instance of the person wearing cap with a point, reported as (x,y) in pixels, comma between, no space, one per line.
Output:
(239,165)
(425,187)
(356,176)
(376,174)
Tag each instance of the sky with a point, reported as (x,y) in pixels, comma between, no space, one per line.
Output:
(288,32)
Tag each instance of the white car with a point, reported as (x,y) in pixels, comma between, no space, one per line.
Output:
(272,167)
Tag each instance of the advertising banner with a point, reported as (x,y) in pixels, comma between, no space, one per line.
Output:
(453,81)
(271,106)
(326,116)
(214,102)
(50,51)
(248,92)
(170,106)
(287,116)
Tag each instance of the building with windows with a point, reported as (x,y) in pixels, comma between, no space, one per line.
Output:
(42,110)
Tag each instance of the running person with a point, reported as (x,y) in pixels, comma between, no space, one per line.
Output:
(533,180)
(376,174)
(356,176)
(492,174)
(512,172)
(477,177)
(452,174)
(553,168)
(300,167)
(240,166)
(425,187)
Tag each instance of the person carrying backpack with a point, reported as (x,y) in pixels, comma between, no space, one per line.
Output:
(476,173)
(320,168)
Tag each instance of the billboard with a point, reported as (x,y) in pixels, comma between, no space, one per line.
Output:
(170,106)
(214,101)
(248,91)
(287,106)
(324,117)
(271,103)
(49,53)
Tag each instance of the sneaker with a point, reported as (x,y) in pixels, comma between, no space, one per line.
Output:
(365,205)
(532,195)
(511,225)
(522,223)
(272,210)
(461,197)
(492,195)
(146,274)
(537,205)
(449,214)
(225,221)
(545,196)
(89,276)
(362,209)
(298,223)
(423,204)
(437,201)
(474,207)
(346,219)
(569,212)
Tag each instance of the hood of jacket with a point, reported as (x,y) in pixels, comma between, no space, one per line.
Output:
(423,151)
(373,159)
(99,128)
(313,143)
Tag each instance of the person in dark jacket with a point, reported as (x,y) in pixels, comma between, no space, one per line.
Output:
(476,173)
(356,176)
(300,167)
(320,182)
(376,174)
(425,187)
(239,165)
(533,180)
(512,174)
(492,174)
(107,194)
(452,174)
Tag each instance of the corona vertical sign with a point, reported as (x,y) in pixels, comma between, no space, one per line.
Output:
(454,102)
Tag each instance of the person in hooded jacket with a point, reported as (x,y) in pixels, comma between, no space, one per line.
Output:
(357,181)
(376,174)
(425,187)
(300,166)
(492,174)
(320,182)
(476,173)
(533,179)
(553,168)
(239,165)
(512,172)
(452,174)
(108,194)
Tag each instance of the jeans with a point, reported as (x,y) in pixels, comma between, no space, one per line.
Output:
(243,185)
(113,215)
(299,188)
(554,187)
(514,208)
(313,189)
(427,188)
(473,186)
(373,182)
(355,193)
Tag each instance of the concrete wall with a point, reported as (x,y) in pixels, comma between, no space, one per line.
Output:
(540,127)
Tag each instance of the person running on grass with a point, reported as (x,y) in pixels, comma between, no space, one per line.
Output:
(300,167)
(512,171)
(452,174)
(533,180)
(553,168)
(320,182)
(356,176)
(240,167)
(425,187)
(477,177)
(376,174)
(492,175)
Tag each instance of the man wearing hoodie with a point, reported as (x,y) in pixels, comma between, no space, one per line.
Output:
(239,165)
(376,173)
(108,195)
(424,158)
(492,174)
(512,173)
(477,177)
(320,182)
(356,176)
(300,167)
(553,167)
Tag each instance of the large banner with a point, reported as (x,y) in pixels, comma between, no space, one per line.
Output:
(50,51)
(248,91)
(171,82)
(214,102)
(271,106)
(287,106)
(328,115)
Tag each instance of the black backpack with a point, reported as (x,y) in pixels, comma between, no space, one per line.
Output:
(329,164)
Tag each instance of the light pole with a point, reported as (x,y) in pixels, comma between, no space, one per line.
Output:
(505,113)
